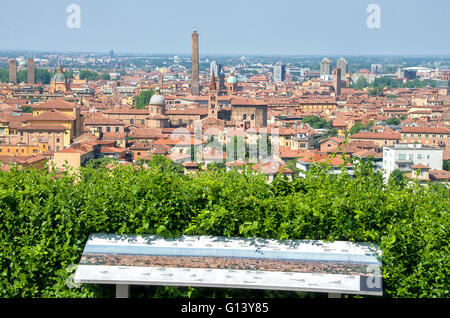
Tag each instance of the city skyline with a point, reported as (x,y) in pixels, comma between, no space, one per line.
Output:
(295,28)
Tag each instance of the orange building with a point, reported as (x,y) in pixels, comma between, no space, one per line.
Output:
(23,149)
(431,136)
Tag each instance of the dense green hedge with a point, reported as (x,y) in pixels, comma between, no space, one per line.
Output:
(45,221)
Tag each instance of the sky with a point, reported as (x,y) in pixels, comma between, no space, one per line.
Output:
(228,27)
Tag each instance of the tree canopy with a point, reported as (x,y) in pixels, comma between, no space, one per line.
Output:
(317,122)
(143,98)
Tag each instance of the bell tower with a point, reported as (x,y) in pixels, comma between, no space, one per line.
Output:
(212,100)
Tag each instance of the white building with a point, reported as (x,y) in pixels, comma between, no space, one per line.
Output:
(404,156)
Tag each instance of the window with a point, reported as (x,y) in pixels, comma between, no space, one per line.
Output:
(419,156)
(401,156)
(142,122)
(57,139)
(253,116)
(57,148)
(244,117)
(132,121)
(108,129)
(117,129)
(411,156)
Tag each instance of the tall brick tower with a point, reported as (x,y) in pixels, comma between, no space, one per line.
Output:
(337,81)
(12,71)
(195,85)
(212,100)
(31,71)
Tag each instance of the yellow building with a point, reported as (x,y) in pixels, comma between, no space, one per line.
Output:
(4,127)
(56,122)
(74,157)
(23,149)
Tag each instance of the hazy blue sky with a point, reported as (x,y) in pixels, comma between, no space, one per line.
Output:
(300,27)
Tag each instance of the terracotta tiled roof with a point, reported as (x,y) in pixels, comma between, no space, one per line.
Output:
(377,135)
(57,103)
(242,101)
(420,166)
(150,133)
(190,165)
(113,135)
(439,175)
(52,115)
(43,127)
(423,129)
(105,149)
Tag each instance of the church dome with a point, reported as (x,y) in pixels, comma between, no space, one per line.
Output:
(157,99)
(58,78)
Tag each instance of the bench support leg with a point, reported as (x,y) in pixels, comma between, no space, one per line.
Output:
(122,291)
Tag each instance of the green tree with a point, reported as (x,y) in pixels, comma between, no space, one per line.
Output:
(143,98)
(105,76)
(356,128)
(22,76)
(376,92)
(42,76)
(292,165)
(360,83)
(317,122)
(26,109)
(397,177)
(90,76)
(4,75)
(393,121)
(446,165)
